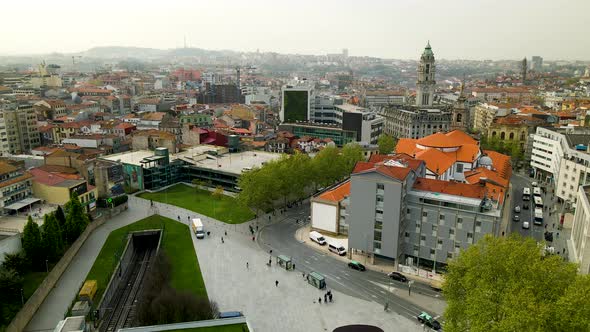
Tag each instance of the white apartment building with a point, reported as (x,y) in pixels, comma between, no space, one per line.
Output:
(560,155)
(580,237)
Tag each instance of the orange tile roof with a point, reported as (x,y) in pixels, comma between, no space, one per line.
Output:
(450,187)
(337,194)
(501,163)
(461,136)
(467,153)
(475,175)
(439,140)
(436,161)
(406,145)
(399,173)
(411,162)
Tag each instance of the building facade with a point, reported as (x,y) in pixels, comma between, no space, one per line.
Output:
(19,132)
(296,102)
(580,237)
(416,122)
(484,114)
(15,186)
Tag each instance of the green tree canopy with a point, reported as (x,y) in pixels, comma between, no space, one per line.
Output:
(507,284)
(386,144)
(327,167)
(52,243)
(32,243)
(76,219)
(351,154)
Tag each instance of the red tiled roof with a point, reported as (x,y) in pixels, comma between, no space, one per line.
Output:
(399,173)
(436,161)
(338,193)
(474,176)
(450,187)
(402,157)
(501,163)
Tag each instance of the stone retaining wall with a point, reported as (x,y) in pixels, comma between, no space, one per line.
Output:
(22,318)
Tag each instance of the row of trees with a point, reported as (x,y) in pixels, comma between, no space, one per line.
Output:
(510,284)
(507,147)
(293,177)
(42,246)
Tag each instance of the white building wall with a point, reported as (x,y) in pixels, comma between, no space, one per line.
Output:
(581,232)
(324,217)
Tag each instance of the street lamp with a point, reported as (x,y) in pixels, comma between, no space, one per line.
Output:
(22,296)
(46,265)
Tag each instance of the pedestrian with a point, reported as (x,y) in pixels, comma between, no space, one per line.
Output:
(253,238)
(326,298)
(208,234)
(276,283)
(222,240)
(271,251)
(330,297)
(558,235)
(320,300)
(564,250)
(269,217)
(553,225)
(269,262)
(151,202)
(178,218)
(247,266)
(502,233)
(293,266)
(303,275)
(257,228)
(225,233)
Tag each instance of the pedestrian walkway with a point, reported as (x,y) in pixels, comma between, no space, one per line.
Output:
(233,285)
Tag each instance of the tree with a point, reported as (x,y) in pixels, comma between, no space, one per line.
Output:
(198,183)
(218,192)
(386,144)
(351,154)
(327,167)
(52,243)
(32,243)
(573,309)
(17,262)
(505,284)
(258,188)
(61,218)
(10,285)
(76,219)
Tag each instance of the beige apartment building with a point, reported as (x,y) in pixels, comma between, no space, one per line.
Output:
(18,130)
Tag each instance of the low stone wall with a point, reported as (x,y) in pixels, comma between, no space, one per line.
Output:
(190,325)
(23,317)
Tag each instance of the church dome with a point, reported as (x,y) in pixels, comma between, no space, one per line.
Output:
(486,161)
(427,50)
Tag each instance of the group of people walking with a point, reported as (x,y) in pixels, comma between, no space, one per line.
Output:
(327,297)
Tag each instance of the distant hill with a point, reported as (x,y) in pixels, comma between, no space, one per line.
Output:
(117,52)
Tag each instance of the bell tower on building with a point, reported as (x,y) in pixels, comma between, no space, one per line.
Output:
(426,83)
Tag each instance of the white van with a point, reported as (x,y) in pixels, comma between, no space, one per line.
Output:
(337,248)
(198,228)
(317,238)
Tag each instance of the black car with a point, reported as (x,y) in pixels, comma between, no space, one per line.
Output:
(356,266)
(397,276)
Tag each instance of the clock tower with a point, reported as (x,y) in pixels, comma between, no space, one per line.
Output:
(426,83)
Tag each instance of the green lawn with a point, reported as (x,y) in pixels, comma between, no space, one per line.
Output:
(177,242)
(225,208)
(228,328)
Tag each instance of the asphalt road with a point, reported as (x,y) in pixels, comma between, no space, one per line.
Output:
(368,285)
(536,231)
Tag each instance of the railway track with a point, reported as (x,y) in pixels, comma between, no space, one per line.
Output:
(122,309)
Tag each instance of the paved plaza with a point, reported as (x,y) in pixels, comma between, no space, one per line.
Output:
(252,290)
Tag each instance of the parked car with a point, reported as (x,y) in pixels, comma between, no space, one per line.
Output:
(525,225)
(517,209)
(356,266)
(516,217)
(535,184)
(397,276)
(429,321)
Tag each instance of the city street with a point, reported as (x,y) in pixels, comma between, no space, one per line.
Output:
(369,285)
(519,182)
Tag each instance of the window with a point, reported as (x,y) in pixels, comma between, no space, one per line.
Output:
(378,224)
(494,134)
(407,211)
(380,186)
(459,223)
(377,235)
(379,198)
(449,255)
(424,214)
(416,250)
(470,238)
(434,229)
(502,135)
(457,248)
(377,245)
(418,229)
(459,168)
(422,240)
(407,235)
(439,244)
(459,117)
(432,253)
(478,226)
(441,217)
(511,136)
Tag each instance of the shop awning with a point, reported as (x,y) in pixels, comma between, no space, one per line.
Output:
(20,204)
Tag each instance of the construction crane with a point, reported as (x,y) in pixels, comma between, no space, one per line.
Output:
(74,58)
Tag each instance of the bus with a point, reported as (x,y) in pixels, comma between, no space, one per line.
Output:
(537,191)
(526,194)
(538,217)
(538,202)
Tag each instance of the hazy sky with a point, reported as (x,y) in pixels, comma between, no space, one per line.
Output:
(469,29)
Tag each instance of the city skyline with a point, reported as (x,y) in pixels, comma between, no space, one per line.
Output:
(460,30)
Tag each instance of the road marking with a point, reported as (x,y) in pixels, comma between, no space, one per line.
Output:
(373,295)
(382,292)
(307,262)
